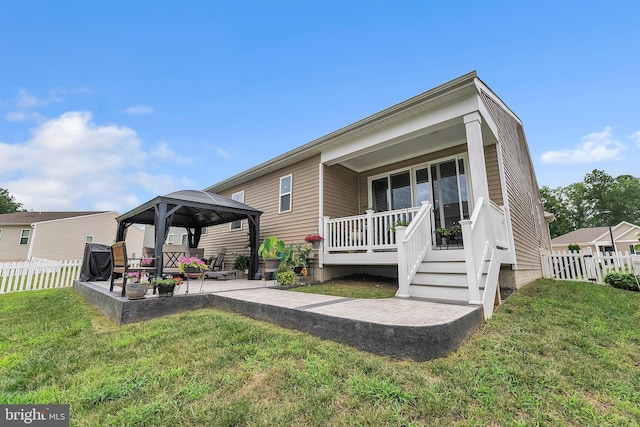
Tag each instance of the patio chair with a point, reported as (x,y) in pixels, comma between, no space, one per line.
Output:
(218,261)
(121,265)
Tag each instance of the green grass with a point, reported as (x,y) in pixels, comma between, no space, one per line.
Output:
(351,290)
(556,353)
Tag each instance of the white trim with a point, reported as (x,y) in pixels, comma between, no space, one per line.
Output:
(32,238)
(281,194)
(22,236)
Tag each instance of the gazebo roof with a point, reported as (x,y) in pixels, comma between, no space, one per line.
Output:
(193,208)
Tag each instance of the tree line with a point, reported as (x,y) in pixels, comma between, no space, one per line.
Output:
(598,200)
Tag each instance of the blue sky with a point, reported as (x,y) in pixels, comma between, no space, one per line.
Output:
(106,104)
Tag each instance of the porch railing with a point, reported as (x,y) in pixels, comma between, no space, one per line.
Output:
(487,235)
(373,231)
(414,242)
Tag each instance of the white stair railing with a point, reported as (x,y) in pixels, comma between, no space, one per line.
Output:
(482,234)
(414,242)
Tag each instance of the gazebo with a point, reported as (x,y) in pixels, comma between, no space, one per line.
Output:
(193,210)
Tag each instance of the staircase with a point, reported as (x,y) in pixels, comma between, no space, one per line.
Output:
(443,276)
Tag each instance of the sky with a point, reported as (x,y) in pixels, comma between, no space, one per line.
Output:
(105,105)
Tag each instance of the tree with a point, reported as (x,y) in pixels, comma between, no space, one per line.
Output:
(8,203)
(583,204)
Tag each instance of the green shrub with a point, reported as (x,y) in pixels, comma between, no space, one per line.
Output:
(574,247)
(286,277)
(623,281)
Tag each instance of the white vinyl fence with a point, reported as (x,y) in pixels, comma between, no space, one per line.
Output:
(37,274)
(588,267)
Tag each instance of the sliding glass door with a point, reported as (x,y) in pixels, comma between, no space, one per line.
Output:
(443,184)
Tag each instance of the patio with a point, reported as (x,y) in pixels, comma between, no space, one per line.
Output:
(396,327)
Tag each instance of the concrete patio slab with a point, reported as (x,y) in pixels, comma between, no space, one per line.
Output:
(395,327)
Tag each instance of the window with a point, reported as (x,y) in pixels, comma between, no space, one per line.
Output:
(204,231)
(285,193)
(169,239)
(183,239)
(238,197)
(24,237)
(0,233)
(88,239)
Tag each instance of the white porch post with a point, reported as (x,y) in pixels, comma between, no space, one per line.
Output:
(477,165)
(403,282)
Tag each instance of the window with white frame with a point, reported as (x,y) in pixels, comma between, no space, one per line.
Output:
(0,233)
(238,197)
(183,239)
(285,193)
(88,239)
(204,231)
(170,238)
(24,236)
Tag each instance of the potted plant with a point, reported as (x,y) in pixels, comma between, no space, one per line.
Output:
(300,256)
(315,240)
(270,250)
(135,289)
(285,276)
(166,287)
(241,263)
(192,265)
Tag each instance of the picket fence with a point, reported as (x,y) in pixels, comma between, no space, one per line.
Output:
(37,274)
(588,267)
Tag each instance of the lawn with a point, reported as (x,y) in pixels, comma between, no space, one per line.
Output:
(556,353)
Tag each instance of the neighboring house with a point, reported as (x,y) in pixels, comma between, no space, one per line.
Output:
(598,239)
(457,147)
(58,235)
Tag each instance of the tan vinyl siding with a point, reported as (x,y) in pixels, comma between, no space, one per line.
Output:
(65,239)
(10,247)
(529,228)
(340,192)
(405,164)
(493,174)
(264,194)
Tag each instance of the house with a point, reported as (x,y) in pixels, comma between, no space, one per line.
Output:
(58,235)
(625,236)
(453,158)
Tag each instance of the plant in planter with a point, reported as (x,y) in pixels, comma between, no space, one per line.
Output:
(166,287)
(271,251)
(300,256)
(400,223)
(191,265)
(285,276)
(315,240)
(241,263)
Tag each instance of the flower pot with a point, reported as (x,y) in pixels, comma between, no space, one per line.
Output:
(272,264)
(316,244)
(166,290)
(136,290)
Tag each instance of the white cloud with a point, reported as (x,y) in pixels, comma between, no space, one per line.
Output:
(21,116)
(595,147)
(224,153)
(636,137)
(28,101)
(139,110)
(70,162)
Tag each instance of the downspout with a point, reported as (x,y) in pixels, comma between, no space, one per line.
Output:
(32,238)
